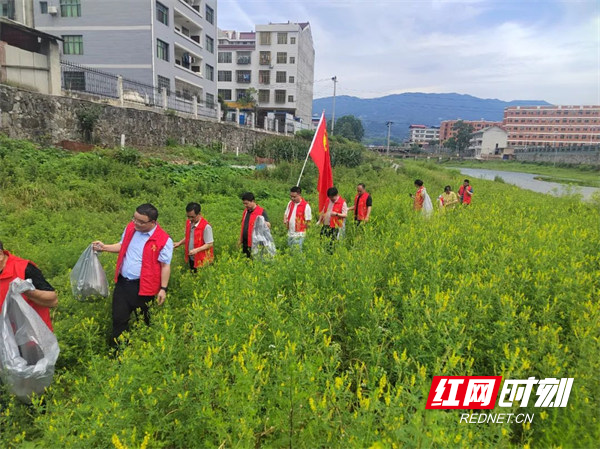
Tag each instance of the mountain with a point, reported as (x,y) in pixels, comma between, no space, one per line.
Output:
(413,108)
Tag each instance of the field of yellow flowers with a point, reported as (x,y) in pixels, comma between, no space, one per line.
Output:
(309,350)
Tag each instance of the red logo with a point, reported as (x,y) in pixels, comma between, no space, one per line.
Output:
(463,392)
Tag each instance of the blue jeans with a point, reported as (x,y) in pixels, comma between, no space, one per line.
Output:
(296,241)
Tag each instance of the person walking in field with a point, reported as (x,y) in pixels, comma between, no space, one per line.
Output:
(296,218)
(333,216)
(448,199)
(198,238)
(143,268)
(421,200)
(251,212)
(41,299)
(363,203)
(465,193)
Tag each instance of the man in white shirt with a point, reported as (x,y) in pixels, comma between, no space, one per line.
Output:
(296,218)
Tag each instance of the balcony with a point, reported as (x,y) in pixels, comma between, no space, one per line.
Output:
(187,60)
(187,28)
(193,4)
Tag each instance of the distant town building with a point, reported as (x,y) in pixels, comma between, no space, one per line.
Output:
(552,126)
(18,10)
(422,134)
(278,62)
(168,44)
(488,141)
(447,127)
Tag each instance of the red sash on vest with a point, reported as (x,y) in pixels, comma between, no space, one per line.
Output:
(253,215)
(360,206)
(150,273)
(15,268)
(300,217)
(202,257)
(337,222)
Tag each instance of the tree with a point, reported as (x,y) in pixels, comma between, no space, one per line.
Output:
(451,143)
(248,100)
(350,127)
(224,107)
(463,135)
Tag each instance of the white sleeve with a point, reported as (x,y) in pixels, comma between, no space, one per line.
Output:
(308,213)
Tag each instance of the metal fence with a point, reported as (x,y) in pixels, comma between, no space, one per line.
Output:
(77,79)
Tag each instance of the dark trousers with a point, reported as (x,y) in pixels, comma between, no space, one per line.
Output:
(332,235)
(247,250)
(126,300)
(192,268)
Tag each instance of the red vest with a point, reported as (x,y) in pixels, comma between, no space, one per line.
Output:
(360,206)
(15,268)
(253,215)
(150,273)
(337,222)
(202,257)
(419,199)
(465,199)
(300,217)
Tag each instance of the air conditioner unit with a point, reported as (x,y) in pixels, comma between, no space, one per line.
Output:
(52,10)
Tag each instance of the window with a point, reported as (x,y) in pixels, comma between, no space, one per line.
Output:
(209,72)
(240,94)
(225,94)
(70,8)
(290,98)
(243,76)
(292,60)
(210,100)
(162,13)
(282,38)
(162,50)
(224,57)
(264,77)
(280,96)
(73,45)
(164,84)
(281,57)
(292,80)
(265,38)
(264,96)
(244,57)
(224,75)
(210,15)
(210,44)
(293,40)
(74,80)
(280,77)
(265,58)
(43,7)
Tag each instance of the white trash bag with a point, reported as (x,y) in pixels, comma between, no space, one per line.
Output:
(262,241)
(427,204)
(29,349)
(88,278)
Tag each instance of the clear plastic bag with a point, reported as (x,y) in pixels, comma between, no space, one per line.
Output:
(88,278)
(29,349)
(427,204)
(262,241)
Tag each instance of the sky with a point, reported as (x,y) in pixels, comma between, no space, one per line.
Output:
(505,49)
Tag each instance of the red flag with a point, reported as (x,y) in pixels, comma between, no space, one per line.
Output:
(319,152)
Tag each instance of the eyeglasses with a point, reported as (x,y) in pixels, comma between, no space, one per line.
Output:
(139,222)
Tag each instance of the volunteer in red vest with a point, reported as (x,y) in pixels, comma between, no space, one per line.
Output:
(333,217)
(363,202)
(296,218)
(251,211)
(143,267)
(465,193)
(198,238)
(42,299)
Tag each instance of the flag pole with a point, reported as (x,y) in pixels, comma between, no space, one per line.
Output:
(310,148)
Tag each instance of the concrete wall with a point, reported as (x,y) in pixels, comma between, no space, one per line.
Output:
(39,71)
(50,119)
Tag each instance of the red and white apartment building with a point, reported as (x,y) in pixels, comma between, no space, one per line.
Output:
(447,127)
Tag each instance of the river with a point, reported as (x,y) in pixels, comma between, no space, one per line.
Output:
(527,181)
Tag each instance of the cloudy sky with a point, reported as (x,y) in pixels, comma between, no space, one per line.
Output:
(506,49)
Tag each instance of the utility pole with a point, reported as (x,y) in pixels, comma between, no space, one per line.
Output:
(334,79)
(389,125)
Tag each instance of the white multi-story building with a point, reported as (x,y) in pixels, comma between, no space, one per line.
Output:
(421,134)
(277,60)
(488,141)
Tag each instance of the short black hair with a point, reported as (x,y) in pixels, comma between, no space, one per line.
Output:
(332,191)
(193,207)
(247,196)
(418,182)
(1,246)
(148,210)
(447,188)
(466,180)
(296,189)
(362,185)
